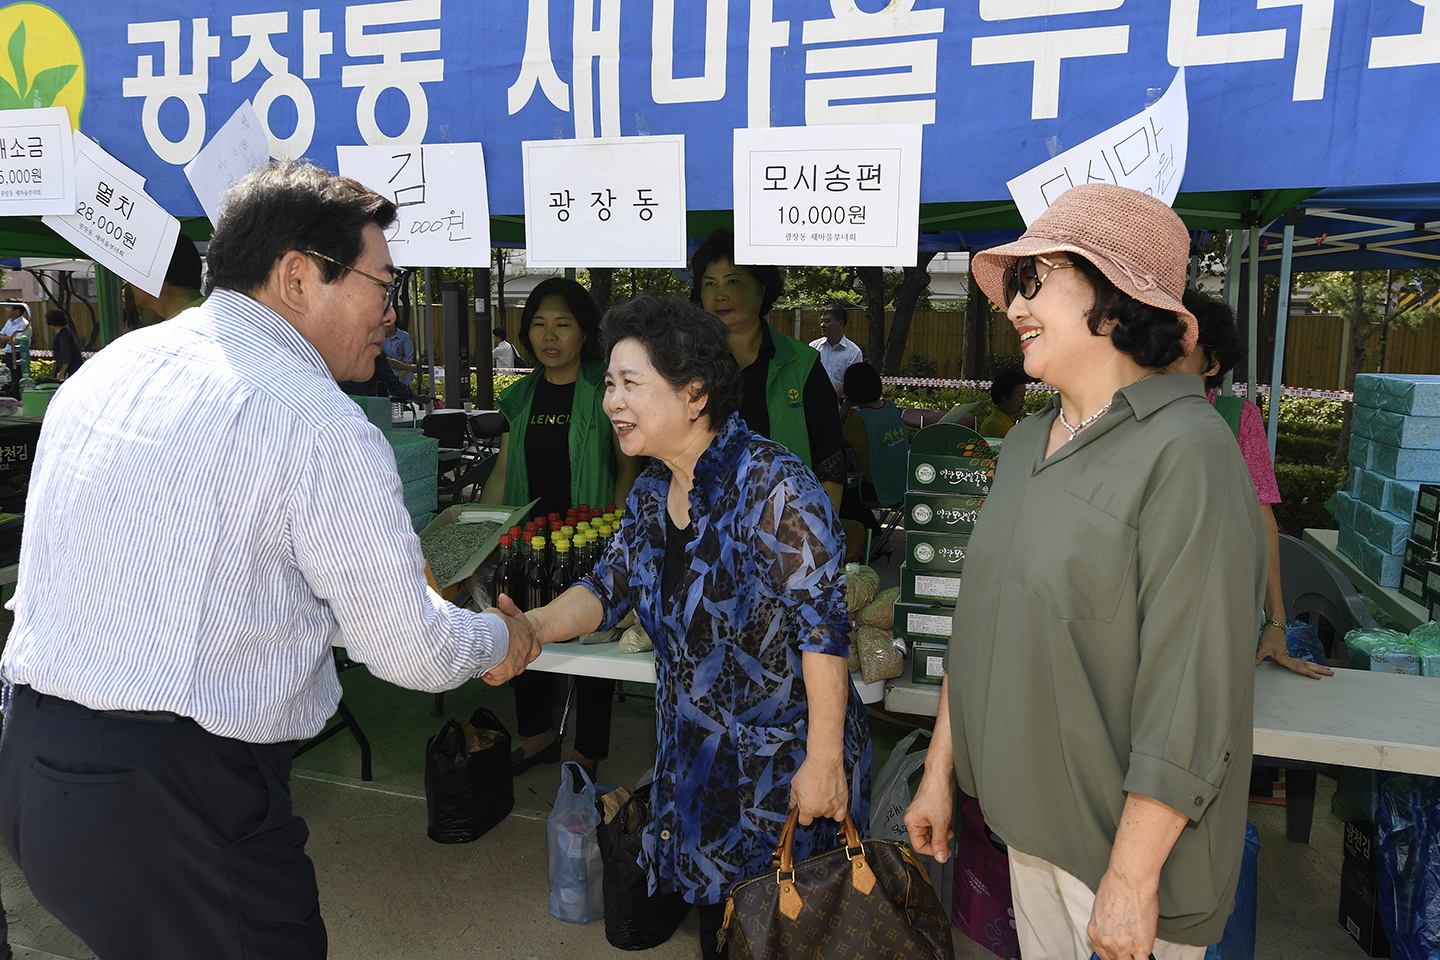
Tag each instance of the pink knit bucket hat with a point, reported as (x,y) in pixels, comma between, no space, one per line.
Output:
(1137,241)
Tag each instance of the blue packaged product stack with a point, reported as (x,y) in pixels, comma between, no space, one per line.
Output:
(1394,448)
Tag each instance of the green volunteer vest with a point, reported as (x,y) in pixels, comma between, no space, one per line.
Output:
(592,452)
(785,393)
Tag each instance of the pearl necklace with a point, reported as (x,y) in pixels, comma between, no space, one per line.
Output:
(1075,430)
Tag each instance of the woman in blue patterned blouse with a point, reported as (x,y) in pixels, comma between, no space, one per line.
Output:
(731,555)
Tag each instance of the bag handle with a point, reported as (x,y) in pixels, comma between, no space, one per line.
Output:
(862,878)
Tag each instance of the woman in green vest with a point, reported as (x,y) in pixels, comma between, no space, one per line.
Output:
(786,395)
(559,447)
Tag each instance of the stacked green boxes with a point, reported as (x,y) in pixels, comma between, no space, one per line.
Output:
(1394,449)
(417,459)
(950,470)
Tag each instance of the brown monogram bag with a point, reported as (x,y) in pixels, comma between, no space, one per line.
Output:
(860,901)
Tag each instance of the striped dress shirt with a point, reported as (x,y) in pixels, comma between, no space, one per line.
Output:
(206,509)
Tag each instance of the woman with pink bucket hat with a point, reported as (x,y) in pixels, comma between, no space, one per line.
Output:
(1098,694)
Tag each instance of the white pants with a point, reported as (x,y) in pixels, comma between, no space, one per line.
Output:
(1052,914)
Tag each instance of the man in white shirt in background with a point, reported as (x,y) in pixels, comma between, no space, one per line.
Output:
(172,645)
(17,320)
(504,354)
(837,351)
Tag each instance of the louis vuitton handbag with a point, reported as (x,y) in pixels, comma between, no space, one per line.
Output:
(860,901)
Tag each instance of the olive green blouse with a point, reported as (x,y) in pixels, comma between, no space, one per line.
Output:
(1105,643)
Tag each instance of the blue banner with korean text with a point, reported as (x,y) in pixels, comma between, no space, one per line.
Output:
(1282,93)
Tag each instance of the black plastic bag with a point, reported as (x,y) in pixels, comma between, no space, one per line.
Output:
(634,920)
(469,786)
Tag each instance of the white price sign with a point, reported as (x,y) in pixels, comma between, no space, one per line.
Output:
(836,195)
(1146,153)
(606,202)
(442,207)
(237,148)
(37,162)
(114,222)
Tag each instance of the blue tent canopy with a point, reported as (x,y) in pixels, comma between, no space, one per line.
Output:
(1362,228)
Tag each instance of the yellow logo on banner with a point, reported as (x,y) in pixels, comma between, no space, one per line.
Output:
(44,66)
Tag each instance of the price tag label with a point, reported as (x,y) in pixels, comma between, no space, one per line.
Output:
(606,202)
(114,222)
(442,208)
(237,148)
(37,162)
(837,195)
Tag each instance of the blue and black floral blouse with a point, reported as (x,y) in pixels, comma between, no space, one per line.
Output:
(765,582)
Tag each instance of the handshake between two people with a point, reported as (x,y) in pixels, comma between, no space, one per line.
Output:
(574,613)
(524,645)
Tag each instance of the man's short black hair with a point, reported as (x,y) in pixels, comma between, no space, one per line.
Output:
(185,265)
(836,310)
(862,383)
(499,332)
(290,205)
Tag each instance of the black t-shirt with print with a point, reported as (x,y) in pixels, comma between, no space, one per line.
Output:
(547,446)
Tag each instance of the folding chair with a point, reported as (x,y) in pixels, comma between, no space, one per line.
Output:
(1313,586)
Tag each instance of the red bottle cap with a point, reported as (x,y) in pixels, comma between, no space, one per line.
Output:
(514,532)
(506,540)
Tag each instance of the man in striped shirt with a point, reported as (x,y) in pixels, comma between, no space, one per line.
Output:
(208,512)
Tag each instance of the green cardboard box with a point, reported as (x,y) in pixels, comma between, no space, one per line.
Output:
(943,552)
(1427,501)
(954,475)
(1418,554)
(1412,584)
(929,586)
(949,458)
(941,513)
(927,662)
(924,621)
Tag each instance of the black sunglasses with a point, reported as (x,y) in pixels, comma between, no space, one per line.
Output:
(1024,278)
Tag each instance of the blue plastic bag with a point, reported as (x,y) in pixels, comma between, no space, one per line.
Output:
(1238,941)
(1302,643)
(1407,836)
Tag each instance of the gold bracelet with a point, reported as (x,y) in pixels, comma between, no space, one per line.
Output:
(1273,623)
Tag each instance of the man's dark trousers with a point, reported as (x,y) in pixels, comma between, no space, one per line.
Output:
(154,838)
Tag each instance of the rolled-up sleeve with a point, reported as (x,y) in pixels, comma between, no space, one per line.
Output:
(1198,549)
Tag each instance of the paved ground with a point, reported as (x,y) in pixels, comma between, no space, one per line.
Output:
(388,891)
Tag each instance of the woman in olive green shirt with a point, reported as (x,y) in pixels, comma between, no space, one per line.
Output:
(1099,692)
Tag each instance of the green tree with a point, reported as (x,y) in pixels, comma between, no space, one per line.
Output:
(1373,301)
(902,292)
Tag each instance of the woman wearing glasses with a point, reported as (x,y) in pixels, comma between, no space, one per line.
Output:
(1098,700)
(558,447)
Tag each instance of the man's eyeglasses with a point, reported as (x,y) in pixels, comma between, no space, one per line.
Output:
(392,287)
(1023,277)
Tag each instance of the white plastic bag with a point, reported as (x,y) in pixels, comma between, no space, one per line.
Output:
(577,892)
(890,793)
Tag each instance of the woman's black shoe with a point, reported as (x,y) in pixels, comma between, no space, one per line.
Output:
(519,763)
